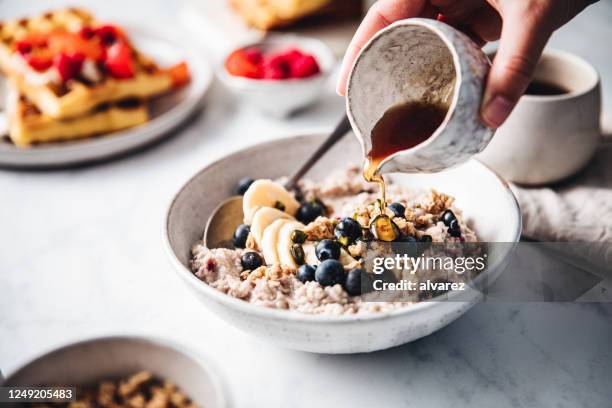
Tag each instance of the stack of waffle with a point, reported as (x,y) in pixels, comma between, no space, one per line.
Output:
(71,76)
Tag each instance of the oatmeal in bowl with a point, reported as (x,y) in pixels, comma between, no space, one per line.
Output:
(308,255)
(311,316)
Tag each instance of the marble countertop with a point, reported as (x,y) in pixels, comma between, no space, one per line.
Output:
(81,256)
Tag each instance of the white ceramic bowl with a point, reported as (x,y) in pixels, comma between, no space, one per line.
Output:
(486,200)
(282,97)
(89,361)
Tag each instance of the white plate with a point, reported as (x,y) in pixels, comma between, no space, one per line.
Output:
(166,111)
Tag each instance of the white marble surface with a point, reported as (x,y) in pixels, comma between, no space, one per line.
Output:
(81,256)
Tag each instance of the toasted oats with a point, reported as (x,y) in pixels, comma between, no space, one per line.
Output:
(321,228)
(357,250)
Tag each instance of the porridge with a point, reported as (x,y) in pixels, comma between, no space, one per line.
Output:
(305,251)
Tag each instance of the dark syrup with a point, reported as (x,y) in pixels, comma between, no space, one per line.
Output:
(401,127)
(543,88)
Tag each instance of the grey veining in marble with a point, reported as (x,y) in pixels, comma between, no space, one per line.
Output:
(81,255)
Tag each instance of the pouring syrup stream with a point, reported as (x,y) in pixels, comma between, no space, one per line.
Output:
(400,128)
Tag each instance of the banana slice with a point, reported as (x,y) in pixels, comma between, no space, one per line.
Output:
(311,257)
(266,193)
(285,243)
(263,217)
(269,241)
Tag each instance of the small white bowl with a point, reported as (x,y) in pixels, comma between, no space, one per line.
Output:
(486,201)
(90,361)
(281,98)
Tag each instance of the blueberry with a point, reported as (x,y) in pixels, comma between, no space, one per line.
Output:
(353,282)
(243,185)
(447,217)
(398,209)
(251,261)
(426,238)
(407,238)
(308,212)
(327,249)
(240,235)
(306,273)
(454,229)
(405,245)
(348,228)
(329,272)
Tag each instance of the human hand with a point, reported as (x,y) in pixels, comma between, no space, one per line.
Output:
(523,27)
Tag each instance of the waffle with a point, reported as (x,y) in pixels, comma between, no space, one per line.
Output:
(76,97)
(267,14)
(28,125)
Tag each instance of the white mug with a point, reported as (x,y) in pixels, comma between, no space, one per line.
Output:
(550,137)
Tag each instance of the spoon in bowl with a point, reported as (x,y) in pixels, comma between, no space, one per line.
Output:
(229,215)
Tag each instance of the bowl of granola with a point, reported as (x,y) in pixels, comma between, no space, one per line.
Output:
(293,273)
(123,372)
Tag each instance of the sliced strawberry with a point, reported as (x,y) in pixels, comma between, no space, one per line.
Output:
(304,67)
(119,61)
(68,66)
(180,74)
(35,39)
(72,43)
(239,64)
(38,61)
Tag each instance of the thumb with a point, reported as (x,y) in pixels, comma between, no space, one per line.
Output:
(523,38)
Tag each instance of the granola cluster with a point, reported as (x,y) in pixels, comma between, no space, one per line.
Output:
(141,390)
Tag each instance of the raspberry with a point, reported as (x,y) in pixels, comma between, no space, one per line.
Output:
(276,67)
(87,32)
(304,67)
(292,54)
(254,55)
(108,34)
(23,47)
(273,72)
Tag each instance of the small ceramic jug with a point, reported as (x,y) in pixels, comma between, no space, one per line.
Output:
(421,60)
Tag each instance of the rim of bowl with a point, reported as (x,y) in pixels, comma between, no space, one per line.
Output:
(210,368)
(325,59)
(433,26)
(293,315)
